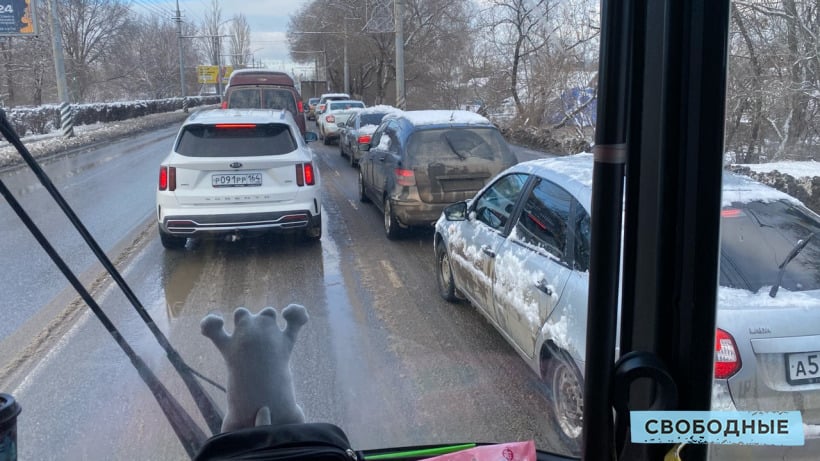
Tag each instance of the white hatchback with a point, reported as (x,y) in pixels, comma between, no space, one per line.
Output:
(233,173)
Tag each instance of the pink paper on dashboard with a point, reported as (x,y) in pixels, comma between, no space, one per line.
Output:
(515,451)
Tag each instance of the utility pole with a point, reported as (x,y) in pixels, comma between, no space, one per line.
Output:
(399,15)
(66,117)
(347,70)
(178,19)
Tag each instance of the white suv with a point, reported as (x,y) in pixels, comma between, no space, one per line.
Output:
(233,173)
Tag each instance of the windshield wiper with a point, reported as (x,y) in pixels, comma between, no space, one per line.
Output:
(792,254)
(453,148)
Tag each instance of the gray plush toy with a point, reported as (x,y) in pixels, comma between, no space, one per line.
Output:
(257,355)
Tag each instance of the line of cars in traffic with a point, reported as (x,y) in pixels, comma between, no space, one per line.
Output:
(511,239)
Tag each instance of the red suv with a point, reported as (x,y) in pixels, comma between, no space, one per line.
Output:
(264,89)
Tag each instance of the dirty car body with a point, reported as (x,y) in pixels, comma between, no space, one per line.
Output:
(418,162)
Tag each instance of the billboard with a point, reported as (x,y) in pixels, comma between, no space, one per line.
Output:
(209,74)
(16,17)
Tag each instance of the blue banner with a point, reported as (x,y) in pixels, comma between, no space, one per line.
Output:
(718,427)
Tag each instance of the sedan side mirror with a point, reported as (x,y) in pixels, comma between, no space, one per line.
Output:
(311,136)
(456,212)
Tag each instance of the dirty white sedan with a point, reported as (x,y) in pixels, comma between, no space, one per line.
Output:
(519,252)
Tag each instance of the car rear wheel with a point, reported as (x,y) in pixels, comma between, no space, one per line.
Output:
(172,242)
(362,193)
(352,160)
(566,395)
(341,148)
(391,225)
(446,285)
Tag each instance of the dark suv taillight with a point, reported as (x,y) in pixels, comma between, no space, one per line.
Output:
(167,178)
(405,177)
(727,356)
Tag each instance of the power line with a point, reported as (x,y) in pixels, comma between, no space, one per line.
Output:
(154,9)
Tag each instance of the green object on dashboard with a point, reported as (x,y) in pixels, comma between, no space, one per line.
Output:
(435,451)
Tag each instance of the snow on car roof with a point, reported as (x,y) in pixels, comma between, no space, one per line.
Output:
(736,188)
(577,167)
(382,109)
(443,117)
(335,95)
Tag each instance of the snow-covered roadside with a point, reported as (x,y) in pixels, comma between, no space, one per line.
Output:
(795,169)
(54,143)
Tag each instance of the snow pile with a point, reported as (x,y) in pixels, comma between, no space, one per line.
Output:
(46,145)
(801,182)
(46,118)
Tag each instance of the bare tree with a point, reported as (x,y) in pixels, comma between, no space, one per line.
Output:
(91,29)
(211,28)
(240,41)
(437,42)
(773,109)
(519,29)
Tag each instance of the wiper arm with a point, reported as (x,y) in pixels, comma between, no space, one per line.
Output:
(792,254)
(453,148)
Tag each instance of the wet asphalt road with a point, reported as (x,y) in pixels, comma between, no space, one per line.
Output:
(382,355)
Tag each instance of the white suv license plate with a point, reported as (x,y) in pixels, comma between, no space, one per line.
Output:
(803,368)
(236,180)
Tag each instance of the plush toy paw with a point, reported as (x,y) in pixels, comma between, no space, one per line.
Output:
(257,356)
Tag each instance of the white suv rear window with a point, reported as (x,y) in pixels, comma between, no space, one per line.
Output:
(235,140)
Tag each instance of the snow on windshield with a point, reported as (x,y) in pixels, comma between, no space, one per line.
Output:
(740,189)
(368,129)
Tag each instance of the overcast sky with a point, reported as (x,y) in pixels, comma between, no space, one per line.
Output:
(268,20)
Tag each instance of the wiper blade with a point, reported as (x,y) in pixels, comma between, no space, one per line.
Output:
(453,148)
(184,426)
(789,257)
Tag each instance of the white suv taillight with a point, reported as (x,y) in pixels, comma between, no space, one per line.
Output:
(305,174)
(167,178)
(727,357)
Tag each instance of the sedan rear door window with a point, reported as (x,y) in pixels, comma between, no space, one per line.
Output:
(545,219)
